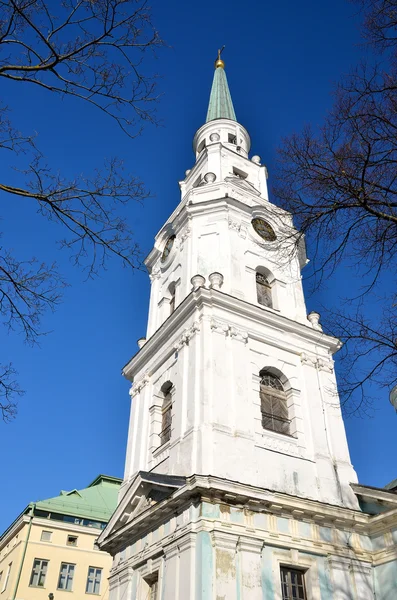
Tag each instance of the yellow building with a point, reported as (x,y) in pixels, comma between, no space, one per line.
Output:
(51,547)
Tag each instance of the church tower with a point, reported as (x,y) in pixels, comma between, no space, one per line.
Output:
(237,470)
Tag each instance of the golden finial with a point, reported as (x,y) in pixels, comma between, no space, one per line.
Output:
(219,62)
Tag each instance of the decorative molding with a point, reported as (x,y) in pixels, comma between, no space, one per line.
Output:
(322,364)
(219,326)
(238,226)
(154,273)
(234,225)
(238,334)
(184,234)
(228,329)
(325,365)
(310,361)
(139,384)
(278,445)
(187,336)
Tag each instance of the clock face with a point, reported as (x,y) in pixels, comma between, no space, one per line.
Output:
(263,229)
(167,248)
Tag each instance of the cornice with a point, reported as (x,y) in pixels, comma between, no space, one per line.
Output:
(13,530)
(208,488)
(196,300)
(375,493)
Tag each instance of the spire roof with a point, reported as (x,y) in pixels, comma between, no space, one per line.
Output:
(220,104)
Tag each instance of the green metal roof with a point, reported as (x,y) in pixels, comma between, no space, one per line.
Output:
(392,485)
(220,105)
(96,502)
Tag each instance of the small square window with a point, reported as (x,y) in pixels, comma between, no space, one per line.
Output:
(46,536)
(232,139)
(72,540)
(239,173)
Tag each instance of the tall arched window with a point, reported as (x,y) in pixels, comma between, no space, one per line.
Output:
(166,415)
(273,403)
(171,290)
(263,290)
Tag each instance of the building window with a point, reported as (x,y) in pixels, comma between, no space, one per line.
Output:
(72,540)
(201,146)
(274,407)
(153,587)
(6,577)
(171,290)
(93,580)
(232,139)
(166,416)
(239,173)
(39,571)
(292,584)
(46,536)
(263,291)
(66,575)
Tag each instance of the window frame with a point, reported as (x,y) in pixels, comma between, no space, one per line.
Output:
(41,561)
(285,569)
(152,583)
(46,531)
(94,580)
(7,577)
(65,589)
(72,544)
(276,395)
(232,138)
(166,414)
(172,291)
(259,285)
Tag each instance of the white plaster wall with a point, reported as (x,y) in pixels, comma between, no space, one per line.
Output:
(214,368)
(216,422)
(199,559)
(212,225)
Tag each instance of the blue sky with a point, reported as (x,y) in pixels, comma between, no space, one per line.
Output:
(281,60)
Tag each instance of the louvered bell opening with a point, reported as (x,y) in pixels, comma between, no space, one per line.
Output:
(274,411)
(165,434)
(263,291)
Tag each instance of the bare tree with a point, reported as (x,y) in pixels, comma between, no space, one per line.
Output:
(340,183)
(92,50)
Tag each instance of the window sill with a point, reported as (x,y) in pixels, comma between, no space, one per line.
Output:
(161,449)
(271,308)
(278,434)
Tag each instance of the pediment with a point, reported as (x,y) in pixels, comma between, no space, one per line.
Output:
(243,184)
(144,491)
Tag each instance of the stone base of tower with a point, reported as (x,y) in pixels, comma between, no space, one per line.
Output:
(205,538)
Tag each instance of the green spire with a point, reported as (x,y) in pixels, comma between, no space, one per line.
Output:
(220,105)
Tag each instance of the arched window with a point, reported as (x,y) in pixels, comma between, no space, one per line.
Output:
(171,290)
(263,290)
(273,403)
(166,414)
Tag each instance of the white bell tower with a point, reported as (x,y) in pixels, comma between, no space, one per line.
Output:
(226,310)
(237,460)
